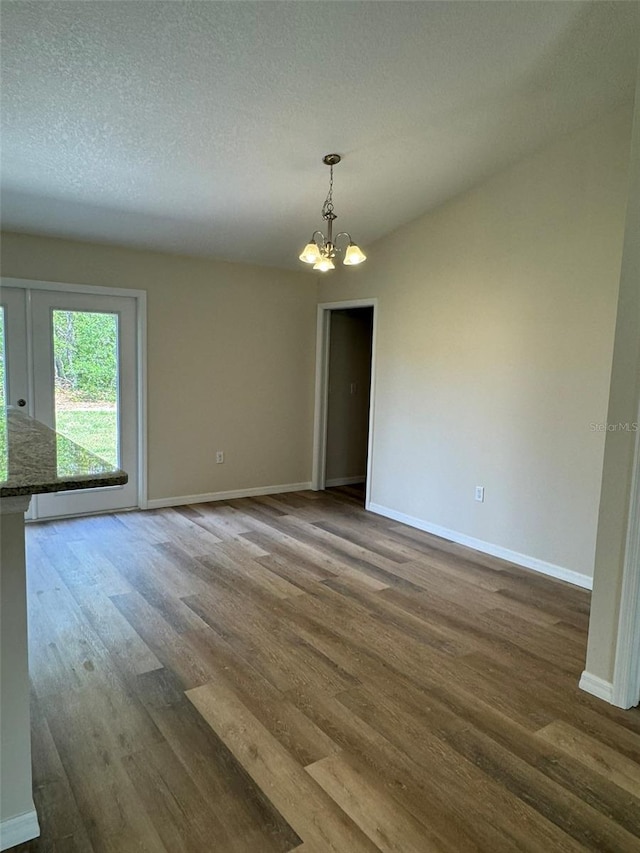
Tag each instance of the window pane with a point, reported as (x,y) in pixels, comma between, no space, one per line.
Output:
(85,352)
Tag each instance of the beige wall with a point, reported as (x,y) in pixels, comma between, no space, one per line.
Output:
(230,360)
(624,403)
(349,380)
(495,336)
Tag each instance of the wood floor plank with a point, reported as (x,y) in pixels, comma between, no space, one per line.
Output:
(466,594)
(91,750)
(100,570)
(303,664)
(185,822)
(558,805)
(492,634)
(162,639)
(256,633)
(602,759)
(67,650)
(58,813)
(148,571)
(65,564)
(232,562)
(299,537)
(370,540)
(300,573)
(574,706)
(222,521)
(388,613)
(391,828)
(369,651)
(550,643)
(247,819)
(303,803)
(578,616)
(251,509)
(295,731)
(129,652)
(460,777)
(282,544)
(191,537)
(47,844)
(404,780)
(445,708)
(324,541)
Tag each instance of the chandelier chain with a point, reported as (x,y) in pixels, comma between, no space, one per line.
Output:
(327,207)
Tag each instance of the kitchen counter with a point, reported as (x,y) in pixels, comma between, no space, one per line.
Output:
(33,459)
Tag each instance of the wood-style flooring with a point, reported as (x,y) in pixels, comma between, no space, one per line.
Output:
(292,673)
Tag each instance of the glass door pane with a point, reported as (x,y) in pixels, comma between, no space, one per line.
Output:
(85,387)
(85,360)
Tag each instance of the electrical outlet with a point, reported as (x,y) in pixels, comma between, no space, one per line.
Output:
(480,493)
(219,457)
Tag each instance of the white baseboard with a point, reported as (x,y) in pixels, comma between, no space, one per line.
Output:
(16,830)
(345,481)
(523,560)
(596,686)
(159,503)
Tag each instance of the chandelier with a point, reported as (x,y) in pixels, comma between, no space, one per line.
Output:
(320,250)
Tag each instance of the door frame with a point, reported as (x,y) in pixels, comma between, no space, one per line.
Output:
(140,297)
(323,330)
(626,673)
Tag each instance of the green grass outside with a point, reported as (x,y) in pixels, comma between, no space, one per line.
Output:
(94,430)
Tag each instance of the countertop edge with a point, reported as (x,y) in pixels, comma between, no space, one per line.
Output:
(117,478)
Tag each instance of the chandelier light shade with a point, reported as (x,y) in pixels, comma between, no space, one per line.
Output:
(310,254)
(321,250)
(324,264)
(354,255)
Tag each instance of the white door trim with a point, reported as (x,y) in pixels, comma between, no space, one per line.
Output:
(318,478)
(626,674)
(140,297)
(16,325)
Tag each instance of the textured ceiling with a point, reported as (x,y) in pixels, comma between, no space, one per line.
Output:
(199,127)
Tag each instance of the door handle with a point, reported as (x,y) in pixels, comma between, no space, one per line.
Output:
(22,402)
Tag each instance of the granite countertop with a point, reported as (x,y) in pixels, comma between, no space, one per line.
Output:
(35,459)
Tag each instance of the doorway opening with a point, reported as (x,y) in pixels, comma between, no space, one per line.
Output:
(344,397)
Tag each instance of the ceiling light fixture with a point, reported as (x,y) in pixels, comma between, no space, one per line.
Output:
(320,250)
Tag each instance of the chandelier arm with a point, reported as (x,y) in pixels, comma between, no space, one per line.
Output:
(343,234)
(322,237)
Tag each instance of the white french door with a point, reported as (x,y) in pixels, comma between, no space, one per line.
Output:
(71,360)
